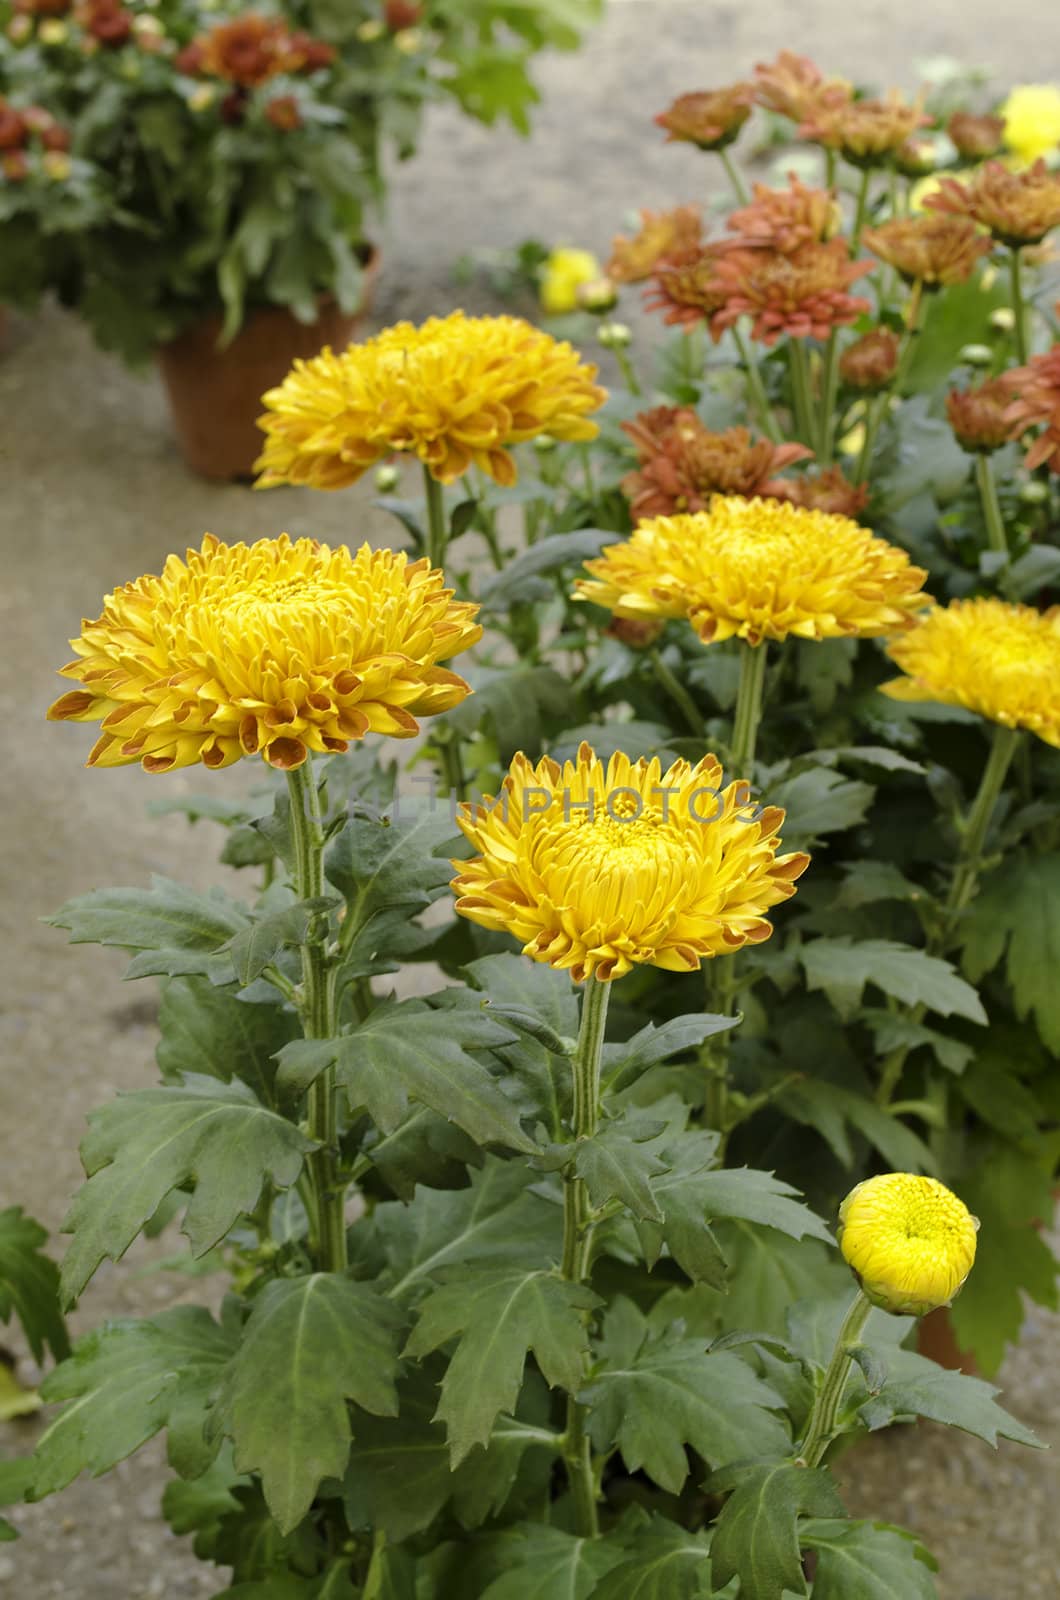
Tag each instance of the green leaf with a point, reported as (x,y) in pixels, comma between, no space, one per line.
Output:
(842,968)
(829,1107)
(1017,915)
(206,1029)
(950,1397)
(406,1052)
(126,1381)
(817,802)
(868,882)
(29,1284)
(515,701)
(546,1563)
(624,1063)
(216,1137)
(868,1561)
(199,1506)
(176,931)
(662,1562)
(767,1273)
(512,980)
(499,1315)
(516,582)
(756,1537)
(752,1196)
(651,1395)
(258,945)
(893,1032)
(400,860)
(311,1344)
(618,1163)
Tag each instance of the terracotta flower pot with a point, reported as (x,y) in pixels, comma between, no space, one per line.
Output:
(215,394)
(936,1339)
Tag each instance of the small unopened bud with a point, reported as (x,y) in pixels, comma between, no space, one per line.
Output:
(52,31)
(1034,493)
(19,29)
(975,355)
(615,335)
(909,1241)
(639,633)
(370,31)
(202,98)
(57,165)
(386,479)
(1003,320)
(148,26)
(408,41)
(871,362)
(544,444)
(598,296)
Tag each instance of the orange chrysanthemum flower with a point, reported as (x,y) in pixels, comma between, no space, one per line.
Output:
(1017,207)
(867,133)
(828,490)
(685,287)
(709,118)
(793,86)
(803,294)
(784,219)
(976,137)
(457,391)
(979,416)
(870,362)
(930,250)
(759,569)
(275,649)
(683,464)
(661,233)
(1037,386)
(599,867)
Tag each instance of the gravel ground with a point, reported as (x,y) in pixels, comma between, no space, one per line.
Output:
(93,492)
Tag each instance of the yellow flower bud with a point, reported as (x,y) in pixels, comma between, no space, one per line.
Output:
(202,98)
(408,41)
(57,165)
(53,31)
(563,275)
(909,1241)
(370,31)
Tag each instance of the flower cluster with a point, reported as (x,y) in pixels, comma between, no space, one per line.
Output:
(867,133)
(28,131)
(251,49)
(685,287)
(934,250)
(106,21)
(803,293)
(661,234)
(1000,660)
(1037,386)
(759,569)
(682,464)
(1018,208)
(457,392)
(276,649)
(599,867)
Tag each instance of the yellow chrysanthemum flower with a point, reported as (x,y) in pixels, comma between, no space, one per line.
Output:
(274,649)
(599,867)
(562,275)
(1032,121)
(1000,660)
(759,569)
(456,392)
(910,1241)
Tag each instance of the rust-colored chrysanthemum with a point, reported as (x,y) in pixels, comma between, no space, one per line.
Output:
(979,416)
(683,464)
(976,137)
(867,133)
(251,49)
(685,287)
(1017,207)
(795,87)
(13,129)
(804,293)
(828,490)
(661,233)
(759,569)
(930,250)
(784,219)
(457,391)
(276,648)
(709,118)
(597,867)
(1037,387)
(999,660)
(870,363)
(107,21)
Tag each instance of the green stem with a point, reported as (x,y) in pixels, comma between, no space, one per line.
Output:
(679,695)
(878,411)
(860,210)
(735,177)
(874,415)
(829,388)
(748,712)
(995,526)
(451,760)
(800,391)
(1019,305)
(577,1240)
(821,1429)
(756,389)
(963,883)
(317,1010)
(437,527)
(629,372)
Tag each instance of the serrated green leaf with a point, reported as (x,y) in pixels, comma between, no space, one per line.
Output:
(126,1381)
(867,1561)
(258,944)
(500,1315)
(660,1562)
(651,1395)
(311,1344)
(143,1145)
(745,1194)
(894,1032)
(819,801)
(404,1052)
(399,860)
(950,1397)
(175,930)
(756,1537)
(547,555)
(515,701)
(618,1163)
(547,1563)
(868,882)
(29,1284)
(199,1505)
(767,1273)
(624,1063)
(1017,915)
(206,1029)
(842,968)
(829,1108)
(512,980)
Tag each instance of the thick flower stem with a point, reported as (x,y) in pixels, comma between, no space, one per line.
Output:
(1019,305)
(800,391)
(860,210)
(822,1423)
(756,389)
(577,1239)
(962,884)
(748,711)
(735,177)
(437,527)
(317,1010)
(829,387)
(878,410)
(995,526)
(629,371)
